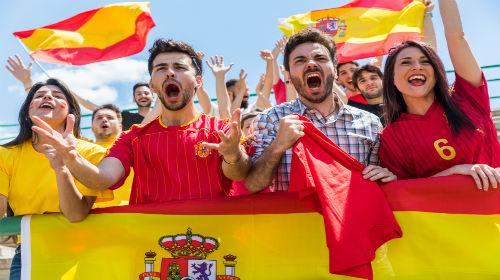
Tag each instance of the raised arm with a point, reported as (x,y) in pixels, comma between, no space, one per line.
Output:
(239,91)
(268,57)
(219,70)
(461,55)
(278,48)
(101,177)
(429,34)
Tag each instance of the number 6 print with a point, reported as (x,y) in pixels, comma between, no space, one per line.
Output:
(445,152)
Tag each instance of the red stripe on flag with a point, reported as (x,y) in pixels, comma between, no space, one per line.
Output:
(396,5)
(70,24)
(80,56)
(349,51)
(266,203)
(452,194)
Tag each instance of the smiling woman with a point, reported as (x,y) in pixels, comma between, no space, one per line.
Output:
(434,129)
(33,178)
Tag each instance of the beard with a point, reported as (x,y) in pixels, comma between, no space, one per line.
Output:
(300,87)
(374,95)
(148,105)
(186,98)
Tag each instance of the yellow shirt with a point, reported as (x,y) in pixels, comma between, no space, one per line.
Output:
(29,183)
(122,194)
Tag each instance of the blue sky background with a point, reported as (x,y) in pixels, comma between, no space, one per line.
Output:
(235,29)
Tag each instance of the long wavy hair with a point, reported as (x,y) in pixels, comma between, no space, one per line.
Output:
(25,123)
(394,103)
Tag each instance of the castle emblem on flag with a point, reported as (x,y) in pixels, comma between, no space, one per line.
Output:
(188,262)
(331,26)
(200,150)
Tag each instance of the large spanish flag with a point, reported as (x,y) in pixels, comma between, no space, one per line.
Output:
(451,231)
(104,33)
(363,28)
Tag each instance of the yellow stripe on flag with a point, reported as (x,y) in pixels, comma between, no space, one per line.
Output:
(108,26)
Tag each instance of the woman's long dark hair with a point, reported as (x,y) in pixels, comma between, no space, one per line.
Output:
(25,122)
(394,103)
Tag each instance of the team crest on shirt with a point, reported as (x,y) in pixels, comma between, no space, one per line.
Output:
(189,252)
(331,26)
(200,150)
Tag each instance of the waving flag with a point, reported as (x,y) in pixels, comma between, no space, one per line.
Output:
(363,28)
(104,33)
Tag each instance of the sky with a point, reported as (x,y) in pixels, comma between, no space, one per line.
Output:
(238,30)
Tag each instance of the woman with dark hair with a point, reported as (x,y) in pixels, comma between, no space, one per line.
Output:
(33,178)
(432,129)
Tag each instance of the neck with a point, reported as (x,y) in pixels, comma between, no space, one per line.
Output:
(349,92)
(108,139)
(180,117)
(328,106)
(419,105)
(375,101)
(143,111)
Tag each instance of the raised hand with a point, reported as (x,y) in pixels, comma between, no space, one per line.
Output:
(374,173)
(17,68)
(266,55)
(219,69)
(64,143)
(241,84)
(229,147)
(279,47)
(200,55)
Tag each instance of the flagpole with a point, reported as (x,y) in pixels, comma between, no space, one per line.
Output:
(36,62)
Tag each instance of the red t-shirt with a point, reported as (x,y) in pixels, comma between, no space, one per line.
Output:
(279,92)
(417,146)
(169,163)
(358,98)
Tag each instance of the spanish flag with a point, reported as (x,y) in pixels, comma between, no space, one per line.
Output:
(363,28)
(104,33)
(451,231)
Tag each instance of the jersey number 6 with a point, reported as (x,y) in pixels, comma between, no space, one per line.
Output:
(445,152)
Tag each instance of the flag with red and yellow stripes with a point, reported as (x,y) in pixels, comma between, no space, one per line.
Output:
(451,230)
(363,28)
(100,34)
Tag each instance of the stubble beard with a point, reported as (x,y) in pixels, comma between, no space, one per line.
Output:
(186,98)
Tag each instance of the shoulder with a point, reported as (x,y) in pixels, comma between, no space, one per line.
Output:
(9,154)
(84,146)
(274,114)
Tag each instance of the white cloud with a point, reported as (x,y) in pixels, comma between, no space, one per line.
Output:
(96,82)
(16,89)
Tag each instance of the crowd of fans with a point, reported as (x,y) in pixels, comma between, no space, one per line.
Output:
(404,122)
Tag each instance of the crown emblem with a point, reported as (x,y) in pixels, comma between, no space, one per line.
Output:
(189,245)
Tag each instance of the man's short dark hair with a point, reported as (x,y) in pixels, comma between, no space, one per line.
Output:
(110,107)
(139,85)
(309,36)
(231,83)
(344,63)
(370,68)
(247,116)
(169,45)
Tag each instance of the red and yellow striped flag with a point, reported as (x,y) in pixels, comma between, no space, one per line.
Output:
(363,28)
(104,33)
(451,231)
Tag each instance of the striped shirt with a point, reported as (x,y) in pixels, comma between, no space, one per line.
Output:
(169,163)
(354,130)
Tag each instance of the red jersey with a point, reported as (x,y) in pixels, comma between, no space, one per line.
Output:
(169,162)
(279,92)
(417,146)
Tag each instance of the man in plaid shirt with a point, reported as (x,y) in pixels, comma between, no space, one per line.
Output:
(310,63)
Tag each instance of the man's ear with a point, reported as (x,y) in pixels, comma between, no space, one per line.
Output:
(287,75)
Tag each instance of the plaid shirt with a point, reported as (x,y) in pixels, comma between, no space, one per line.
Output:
(354,130)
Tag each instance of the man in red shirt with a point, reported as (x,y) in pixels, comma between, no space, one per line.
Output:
(180,155)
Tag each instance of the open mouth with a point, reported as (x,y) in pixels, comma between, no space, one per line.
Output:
(46,106)
(172,90)
(313,80)
(417,80)
(104,126)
